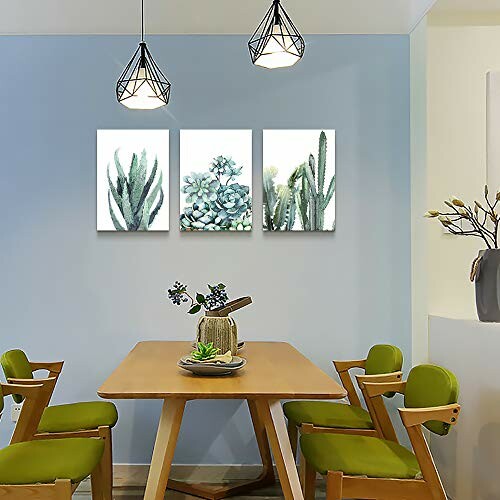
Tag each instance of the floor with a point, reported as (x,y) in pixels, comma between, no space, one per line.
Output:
(270,493)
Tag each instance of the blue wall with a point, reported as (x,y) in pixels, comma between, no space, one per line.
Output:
(71,293)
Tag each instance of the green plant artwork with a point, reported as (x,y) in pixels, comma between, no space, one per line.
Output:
(216,197)
(304,199)
(136,194)
(132,192)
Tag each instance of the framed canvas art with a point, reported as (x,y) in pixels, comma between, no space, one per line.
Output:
(132,180)
(216,180)
(299,180)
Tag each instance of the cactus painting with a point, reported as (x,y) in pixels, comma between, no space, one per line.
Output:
(132,187)
(216,178)
(299,180)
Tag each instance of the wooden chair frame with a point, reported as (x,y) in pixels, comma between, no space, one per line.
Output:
(382,429)
(102,480)
(61,489)
(430,487)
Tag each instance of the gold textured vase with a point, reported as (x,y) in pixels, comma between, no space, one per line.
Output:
(221,331)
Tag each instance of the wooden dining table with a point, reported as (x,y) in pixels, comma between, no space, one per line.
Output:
(274,371)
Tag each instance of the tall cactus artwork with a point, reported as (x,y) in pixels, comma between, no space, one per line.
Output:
(301,203)
(132,185)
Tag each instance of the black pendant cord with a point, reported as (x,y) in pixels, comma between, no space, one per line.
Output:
(276,12)
(142,20)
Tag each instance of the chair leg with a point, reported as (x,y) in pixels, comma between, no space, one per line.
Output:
(308,479)
(107,463)
(334,485)
(63,489)
(293,435)
(96,481)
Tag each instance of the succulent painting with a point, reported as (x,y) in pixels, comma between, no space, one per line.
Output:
(138,196)
(302,198)
(215,201)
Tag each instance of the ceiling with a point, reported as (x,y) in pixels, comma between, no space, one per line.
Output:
(467,6)
(207,16)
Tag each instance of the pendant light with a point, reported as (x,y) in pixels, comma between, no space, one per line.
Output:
(142,85)
(276,42)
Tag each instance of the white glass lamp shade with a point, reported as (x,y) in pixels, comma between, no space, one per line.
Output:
(141,92)
(280,50)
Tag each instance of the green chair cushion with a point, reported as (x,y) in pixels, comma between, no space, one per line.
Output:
(430,386)
(15,364)
(359,456)
(383,358)
(78,416)
(45,461)
(328,414)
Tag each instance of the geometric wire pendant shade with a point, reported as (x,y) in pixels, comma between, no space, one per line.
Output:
(276,42)
(142,85)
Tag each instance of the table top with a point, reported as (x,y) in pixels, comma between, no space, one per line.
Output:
(274,370)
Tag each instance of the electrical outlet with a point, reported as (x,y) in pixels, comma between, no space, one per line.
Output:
(15,411)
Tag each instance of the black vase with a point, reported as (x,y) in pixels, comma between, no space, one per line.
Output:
(487,281)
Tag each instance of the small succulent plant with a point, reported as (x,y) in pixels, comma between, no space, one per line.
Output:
(217,297)
(134,194)
(243,224)
(200,188)
(205,352)
(199,218)
(232,202)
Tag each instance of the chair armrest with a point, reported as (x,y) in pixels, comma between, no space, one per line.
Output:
(344,366)
(378,379)
(418,416)
(42,382)
(373,390)
(31,391)
(54,367)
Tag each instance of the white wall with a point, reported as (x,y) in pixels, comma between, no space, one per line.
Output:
(458,59)
(418,130)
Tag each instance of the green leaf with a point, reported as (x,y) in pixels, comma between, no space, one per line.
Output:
(127,211)
(148,185)
(114,191)
(196,308)
(116,223)
(280,213)
(144,221)
(121,173)
(269,196)
(292,210)
(321,162)
(156,189)
(200,298)
(132,173)
(157,208)
(138,183)
(329,193)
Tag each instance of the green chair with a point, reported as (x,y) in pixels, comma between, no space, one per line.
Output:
(76,420)
(46,469)
(366,467)
(383,364)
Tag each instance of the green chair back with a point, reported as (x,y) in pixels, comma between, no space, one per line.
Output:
(383,358)
(15,364)
(429,386)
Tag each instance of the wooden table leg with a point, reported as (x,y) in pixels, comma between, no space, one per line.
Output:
(216,492)
(267,473)
(163,452)
(272,415)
